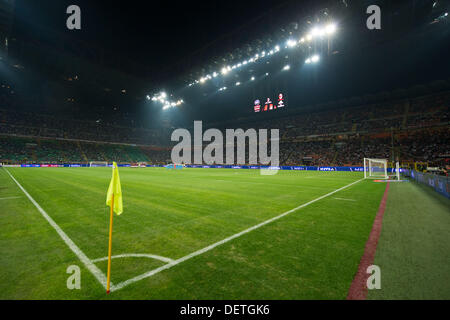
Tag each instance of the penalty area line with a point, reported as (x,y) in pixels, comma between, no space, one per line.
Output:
(99,275)
(150,273)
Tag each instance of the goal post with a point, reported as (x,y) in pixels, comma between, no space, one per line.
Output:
(98,164)
(396,171)
(375,168)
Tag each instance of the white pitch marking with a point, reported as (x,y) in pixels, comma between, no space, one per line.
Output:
(212,246)
(83,258)
(7,198)
(136,255)
(344,199)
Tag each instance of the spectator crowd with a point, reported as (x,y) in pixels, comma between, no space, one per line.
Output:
(406,130)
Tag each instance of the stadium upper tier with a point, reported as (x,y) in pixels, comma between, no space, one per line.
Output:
(410,129)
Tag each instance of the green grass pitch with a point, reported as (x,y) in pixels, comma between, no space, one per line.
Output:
(311,253)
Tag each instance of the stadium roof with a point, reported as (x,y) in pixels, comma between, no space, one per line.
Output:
(148,53)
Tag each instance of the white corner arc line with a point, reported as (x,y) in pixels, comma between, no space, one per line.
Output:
(212,246)
(98,274)
(136,255)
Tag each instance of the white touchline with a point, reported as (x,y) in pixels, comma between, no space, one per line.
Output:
(99,275)
(212,246)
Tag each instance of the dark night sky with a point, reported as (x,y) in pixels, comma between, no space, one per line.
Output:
(152,34)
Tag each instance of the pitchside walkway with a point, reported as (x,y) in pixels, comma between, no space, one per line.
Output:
(413,251)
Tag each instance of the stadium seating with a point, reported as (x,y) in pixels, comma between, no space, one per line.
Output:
(417,128)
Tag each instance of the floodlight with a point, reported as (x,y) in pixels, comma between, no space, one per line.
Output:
(238,83)
(163,94)
(291,43)
(308,60)
(315,31)
(224,70)
(315,58)
(277,48)
(252,78)
(330,29)
(286,67)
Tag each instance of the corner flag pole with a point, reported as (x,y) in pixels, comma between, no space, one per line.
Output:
(108,278)
(114,200)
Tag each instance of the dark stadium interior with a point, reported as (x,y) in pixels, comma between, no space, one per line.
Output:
(75,97)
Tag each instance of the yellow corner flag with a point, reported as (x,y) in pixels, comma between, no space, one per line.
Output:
(114,196)
(114,200)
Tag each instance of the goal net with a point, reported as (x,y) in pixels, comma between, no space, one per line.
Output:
(375,168)
(98,164)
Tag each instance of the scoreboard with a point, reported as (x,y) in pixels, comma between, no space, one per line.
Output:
(268,104)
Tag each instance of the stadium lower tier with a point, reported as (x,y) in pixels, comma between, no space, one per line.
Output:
(430,146)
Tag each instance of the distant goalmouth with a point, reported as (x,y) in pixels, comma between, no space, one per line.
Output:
(378,169)
(98,164)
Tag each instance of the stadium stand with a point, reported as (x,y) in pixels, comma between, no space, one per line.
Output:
(412,130)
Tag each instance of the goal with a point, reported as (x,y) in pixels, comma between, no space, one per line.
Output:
(98,164)
(375,168)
